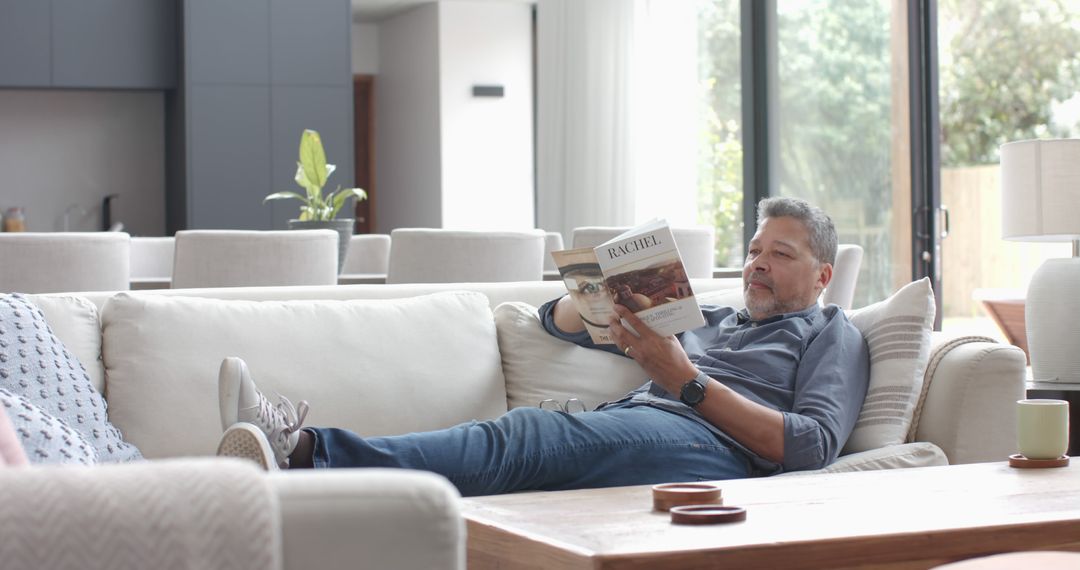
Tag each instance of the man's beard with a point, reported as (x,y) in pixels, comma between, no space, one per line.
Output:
(769,306)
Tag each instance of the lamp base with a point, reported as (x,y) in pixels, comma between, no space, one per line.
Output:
(1052,312)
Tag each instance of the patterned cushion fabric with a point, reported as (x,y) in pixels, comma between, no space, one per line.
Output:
(37,367)
(44,438)
(897,332)
(11,450)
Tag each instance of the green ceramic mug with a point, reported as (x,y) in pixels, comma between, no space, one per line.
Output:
(1042,428)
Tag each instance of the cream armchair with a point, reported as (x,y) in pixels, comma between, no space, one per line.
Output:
(214,513)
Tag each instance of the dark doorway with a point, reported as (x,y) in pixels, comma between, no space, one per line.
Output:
(364,135)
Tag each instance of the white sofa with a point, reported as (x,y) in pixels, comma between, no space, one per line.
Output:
(430,358)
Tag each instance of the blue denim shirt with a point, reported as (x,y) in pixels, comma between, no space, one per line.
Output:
(812,366)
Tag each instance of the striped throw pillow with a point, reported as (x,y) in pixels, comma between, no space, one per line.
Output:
(897,332)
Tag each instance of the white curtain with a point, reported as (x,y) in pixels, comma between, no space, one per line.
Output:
(616,112)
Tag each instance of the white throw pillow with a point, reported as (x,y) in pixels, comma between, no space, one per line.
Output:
(903,456)
(377,367)
(897,332)
(539,366)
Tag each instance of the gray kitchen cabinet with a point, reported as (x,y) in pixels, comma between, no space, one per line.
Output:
(227,42)
(256,73)
(96,44)
(229,160)
(24,43)
(312,43)
(114,44)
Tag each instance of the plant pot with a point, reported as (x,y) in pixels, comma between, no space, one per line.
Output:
(343,226)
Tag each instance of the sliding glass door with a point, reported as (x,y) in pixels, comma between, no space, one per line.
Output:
(809,98)
(1009,71)
(839,127)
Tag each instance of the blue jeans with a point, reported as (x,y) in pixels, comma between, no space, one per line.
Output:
(534,449)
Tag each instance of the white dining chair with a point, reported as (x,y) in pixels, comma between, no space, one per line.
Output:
(369,254)
(152,258)
(423,255)
(695,243)
(553,241)
(241,258)
(45,262)
(841,290)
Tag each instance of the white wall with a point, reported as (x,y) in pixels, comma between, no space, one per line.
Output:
(61,149)
(407,155)
(487,157)
(365,48)
(443,157)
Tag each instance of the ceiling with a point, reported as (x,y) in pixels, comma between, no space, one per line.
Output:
(375,10)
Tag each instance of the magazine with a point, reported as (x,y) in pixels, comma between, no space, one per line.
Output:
(640,269)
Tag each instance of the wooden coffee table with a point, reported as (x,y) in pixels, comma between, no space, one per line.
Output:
(902,518)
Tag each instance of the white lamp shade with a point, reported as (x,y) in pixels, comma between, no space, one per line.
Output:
(1040,190)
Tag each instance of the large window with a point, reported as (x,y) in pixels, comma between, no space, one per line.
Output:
(720,180)
(841,127)
(836,105)
(838,121)
(1008,71)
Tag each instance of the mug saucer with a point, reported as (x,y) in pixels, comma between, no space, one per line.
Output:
(1021,462)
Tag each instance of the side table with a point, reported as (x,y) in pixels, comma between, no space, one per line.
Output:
(1061,391)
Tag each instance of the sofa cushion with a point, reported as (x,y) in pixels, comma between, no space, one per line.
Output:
(897,333)
(74,320)
(539,366)
(35,365)
(916,454)
(376,367)
(42,437)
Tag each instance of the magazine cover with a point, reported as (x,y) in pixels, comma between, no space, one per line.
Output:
(585,283)
(644,272)
(640,269)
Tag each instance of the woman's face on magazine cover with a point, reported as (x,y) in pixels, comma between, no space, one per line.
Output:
(781,274)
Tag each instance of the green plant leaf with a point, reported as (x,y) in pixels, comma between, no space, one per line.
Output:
(313,158)
(301,178)
(343,195)
(284,195)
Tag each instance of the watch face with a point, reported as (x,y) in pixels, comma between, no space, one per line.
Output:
(693,392)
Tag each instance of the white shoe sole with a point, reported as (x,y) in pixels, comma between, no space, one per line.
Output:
(230,377)
(247,441)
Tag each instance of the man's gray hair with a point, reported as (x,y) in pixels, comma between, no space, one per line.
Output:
(823,238)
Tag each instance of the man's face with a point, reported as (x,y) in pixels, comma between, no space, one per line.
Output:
(781,274)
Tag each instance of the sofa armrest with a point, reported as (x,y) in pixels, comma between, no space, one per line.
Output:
(369,518)
(968,404)
(206,513)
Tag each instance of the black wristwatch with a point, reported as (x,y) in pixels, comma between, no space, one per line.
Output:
(693,392)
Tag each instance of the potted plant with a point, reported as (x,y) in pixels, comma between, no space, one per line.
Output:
(318,211)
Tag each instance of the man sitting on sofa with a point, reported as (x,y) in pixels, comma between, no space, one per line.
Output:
(775,387)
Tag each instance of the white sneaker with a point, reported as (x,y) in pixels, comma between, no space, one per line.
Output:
(248,442)
(242,403)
